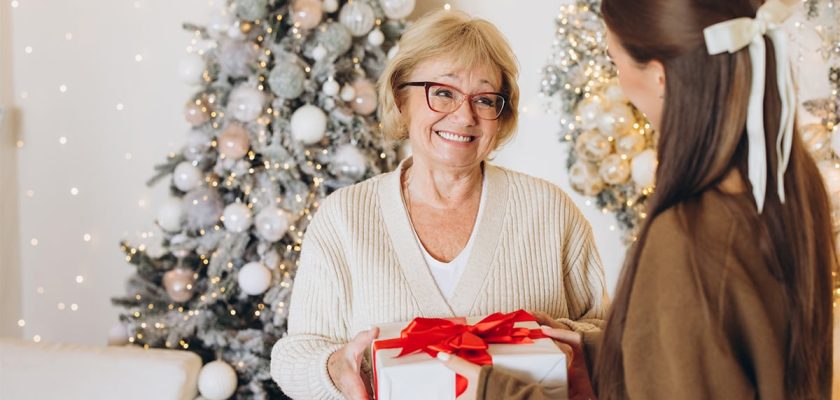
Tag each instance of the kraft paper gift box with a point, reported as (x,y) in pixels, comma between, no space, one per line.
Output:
(419,375)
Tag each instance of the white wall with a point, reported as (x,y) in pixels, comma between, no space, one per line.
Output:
(109,154)
(9,261)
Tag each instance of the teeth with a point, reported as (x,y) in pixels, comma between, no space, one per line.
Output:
(455,138)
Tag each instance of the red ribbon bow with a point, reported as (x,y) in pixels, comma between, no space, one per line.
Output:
(470,342)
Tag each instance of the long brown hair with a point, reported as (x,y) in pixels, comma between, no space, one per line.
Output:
(705,108)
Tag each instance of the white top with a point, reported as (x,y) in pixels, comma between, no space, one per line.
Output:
(448,274)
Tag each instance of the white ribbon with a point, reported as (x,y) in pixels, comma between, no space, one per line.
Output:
(733,35)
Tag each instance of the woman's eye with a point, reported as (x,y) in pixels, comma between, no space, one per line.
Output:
(443,93)
(485,101)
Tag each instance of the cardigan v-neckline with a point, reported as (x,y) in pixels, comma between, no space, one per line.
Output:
(421,282)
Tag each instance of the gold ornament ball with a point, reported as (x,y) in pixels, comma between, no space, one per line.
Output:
(614,170)
(593,146)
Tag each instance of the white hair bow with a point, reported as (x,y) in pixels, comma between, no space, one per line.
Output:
(734,35)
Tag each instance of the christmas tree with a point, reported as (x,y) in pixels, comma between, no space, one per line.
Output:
(284,114)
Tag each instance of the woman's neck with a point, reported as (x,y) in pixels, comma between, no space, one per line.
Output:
(442,188)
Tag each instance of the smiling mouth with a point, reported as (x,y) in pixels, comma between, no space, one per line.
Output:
(455,137)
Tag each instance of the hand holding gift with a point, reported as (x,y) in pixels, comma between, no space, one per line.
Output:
(344,366)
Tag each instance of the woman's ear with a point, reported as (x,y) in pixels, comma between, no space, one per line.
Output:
(656,72)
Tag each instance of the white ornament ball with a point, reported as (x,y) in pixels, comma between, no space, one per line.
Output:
(376,37)
(246,103)
(197,144)
(584,177)
(643,168)
(330,6)
(348,93)
(202,207)
(118,335)
(358,17)
(217,380)
(171,215)
(393,52)
(397,9)
(220,24)
(237,217)
(191,68)
(614,93)
(308,124)
(286,80)
(254,278)
(272,223)
(630,145)
(186,176)
(350,162)
(835,140)
(319,52)
(590,111)
(331,87)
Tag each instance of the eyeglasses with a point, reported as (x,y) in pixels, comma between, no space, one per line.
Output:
(446,99)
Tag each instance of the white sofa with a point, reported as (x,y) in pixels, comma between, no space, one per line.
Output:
(35,371)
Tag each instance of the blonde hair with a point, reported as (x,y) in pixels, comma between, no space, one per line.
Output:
(468,42)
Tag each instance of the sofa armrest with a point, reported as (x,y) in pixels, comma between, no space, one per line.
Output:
(70,371)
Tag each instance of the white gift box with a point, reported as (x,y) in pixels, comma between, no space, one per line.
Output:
(420,377)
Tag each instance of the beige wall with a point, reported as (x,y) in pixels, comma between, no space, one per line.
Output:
(10,277)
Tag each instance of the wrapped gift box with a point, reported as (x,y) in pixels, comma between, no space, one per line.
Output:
(420,376)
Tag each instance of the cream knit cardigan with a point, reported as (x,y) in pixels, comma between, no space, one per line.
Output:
(361,265)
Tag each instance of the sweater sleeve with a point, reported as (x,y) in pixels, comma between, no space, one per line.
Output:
(318,313)
(584,282)
(495,384)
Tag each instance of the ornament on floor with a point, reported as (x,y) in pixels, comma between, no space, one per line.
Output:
(217,380)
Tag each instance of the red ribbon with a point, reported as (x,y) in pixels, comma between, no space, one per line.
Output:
(470,342)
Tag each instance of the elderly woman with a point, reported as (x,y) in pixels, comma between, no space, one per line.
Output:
(446,234)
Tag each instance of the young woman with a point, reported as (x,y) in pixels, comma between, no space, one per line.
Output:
(727,292)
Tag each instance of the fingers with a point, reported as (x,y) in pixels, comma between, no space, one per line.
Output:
(460,366)
(545,319)
(360,343)
(563,335)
